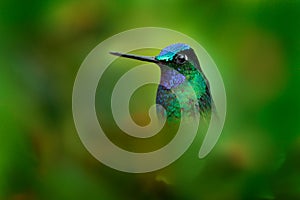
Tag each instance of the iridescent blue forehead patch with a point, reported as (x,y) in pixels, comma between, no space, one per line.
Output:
(168,53)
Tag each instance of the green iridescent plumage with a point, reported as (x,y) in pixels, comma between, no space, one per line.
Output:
(180,69)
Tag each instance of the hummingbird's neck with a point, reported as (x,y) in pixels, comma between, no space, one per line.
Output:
(171,78)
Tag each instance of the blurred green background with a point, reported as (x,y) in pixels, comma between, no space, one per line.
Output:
(255,44)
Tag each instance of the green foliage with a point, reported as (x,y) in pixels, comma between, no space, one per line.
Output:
(256,46)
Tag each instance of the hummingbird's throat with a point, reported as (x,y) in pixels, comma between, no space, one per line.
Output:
(170,78)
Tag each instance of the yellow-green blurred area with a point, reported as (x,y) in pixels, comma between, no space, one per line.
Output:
(256,46)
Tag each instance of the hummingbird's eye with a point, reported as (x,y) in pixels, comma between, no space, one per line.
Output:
(180,59)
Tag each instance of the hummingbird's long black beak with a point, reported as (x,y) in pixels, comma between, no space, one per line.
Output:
(136,57)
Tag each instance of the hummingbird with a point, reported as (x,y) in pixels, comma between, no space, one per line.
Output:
(178,65)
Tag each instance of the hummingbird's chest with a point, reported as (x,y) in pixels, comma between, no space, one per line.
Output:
(178,93)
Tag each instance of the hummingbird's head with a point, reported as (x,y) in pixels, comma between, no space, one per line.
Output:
(180,57)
